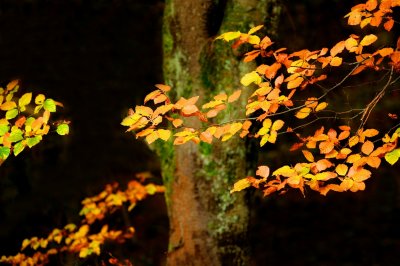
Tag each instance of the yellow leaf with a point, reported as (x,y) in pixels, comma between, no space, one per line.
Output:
(272,137)
(277,125)
(39,99)
(152,137)
(361,175)
(336,61)
(8,106)
(254,39)
(303,112)
(295,83)
(25,99)
(251,77)
(264,140)
(254,29)
(240,185)
(321,106)
(228,36)
(341,169)
(369,39)
(308,155)
(164,134)
(353,141)
(285,171)
(351,44)
(297,65)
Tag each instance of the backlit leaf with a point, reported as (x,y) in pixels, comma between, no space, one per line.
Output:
(321,106)
(251,77)
(39,99)
(49,105)
(336,61)
(18,148)
(240,185)
(63,129)
(33,141)
(353,141)
(367,147)
(177,122)
(228,36)
(234,96)
(254,29)
(303,112)
(189,109)
(10,114)
(277,125)
(164,134)
(308,155)
(369,39)
(4,152)
(295,82)
(393,156)
(8,106)
(263,171)
(341,169)
(25,99)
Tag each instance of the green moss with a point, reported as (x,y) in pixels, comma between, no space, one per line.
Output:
(166,153)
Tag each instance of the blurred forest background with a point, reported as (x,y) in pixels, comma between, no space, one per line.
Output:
(100,57)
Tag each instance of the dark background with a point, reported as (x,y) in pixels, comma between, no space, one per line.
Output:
(101,57)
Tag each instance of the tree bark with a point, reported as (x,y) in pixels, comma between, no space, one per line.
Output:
(208,225)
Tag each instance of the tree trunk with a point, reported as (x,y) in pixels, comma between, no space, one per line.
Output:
(208,225)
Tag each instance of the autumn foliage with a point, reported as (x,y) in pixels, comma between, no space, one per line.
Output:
(338,158)
(79,238)
(289,95)
(24,120)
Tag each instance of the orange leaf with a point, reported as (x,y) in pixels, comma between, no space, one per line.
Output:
(353,141)
(338,48)
(308,155)
(326,147)
(367,147)
(206,137)
(189,109)
(344,135)
(373,161)
(388,25)
(361,175)
(177,122)
(370,133)
(263,171)
(371,5)
(323,164)
(163,87)
(234,96)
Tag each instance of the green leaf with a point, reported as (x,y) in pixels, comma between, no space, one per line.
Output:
(49,105)
(18,147)
(63,129)
(15,135)
(25,99)
(4,152)
(33,141)
(4,129)
(10,114)
(393,156)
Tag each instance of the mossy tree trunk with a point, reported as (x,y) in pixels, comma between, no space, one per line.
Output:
(208,224)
